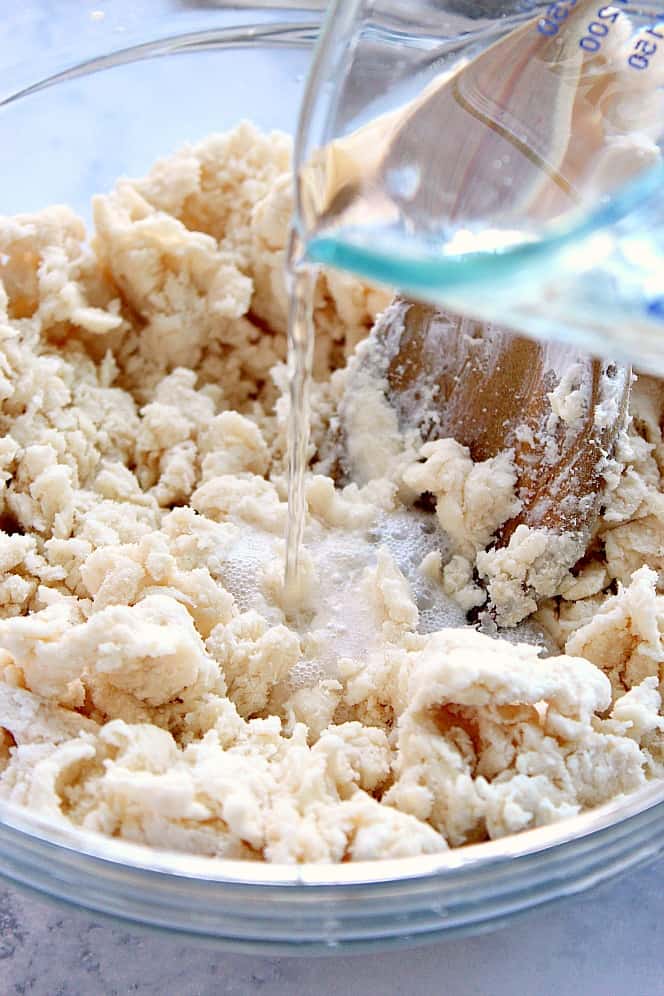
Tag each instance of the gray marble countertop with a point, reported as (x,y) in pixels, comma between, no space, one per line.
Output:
(607,942)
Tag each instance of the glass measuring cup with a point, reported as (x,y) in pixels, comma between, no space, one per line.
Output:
(501,158)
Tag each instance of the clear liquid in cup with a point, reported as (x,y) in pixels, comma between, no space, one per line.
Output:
(523,136)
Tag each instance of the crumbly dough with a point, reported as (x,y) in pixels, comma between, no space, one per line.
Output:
(153,685)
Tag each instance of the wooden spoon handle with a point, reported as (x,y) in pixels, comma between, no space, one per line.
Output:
(558,410)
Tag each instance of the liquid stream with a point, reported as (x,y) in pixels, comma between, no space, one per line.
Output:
(302,280)
(535,131)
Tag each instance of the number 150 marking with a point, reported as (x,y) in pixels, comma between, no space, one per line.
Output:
(645,49)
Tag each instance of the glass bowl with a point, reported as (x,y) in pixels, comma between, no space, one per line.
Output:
(117,90)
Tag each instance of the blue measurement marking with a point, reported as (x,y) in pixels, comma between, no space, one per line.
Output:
(556,15)
(645,48)
(656,307)
(598,29)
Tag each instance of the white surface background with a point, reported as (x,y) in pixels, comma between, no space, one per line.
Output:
(607,942)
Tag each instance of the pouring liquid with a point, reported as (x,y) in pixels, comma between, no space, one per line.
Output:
(521,185)
(503,148)
(302,283)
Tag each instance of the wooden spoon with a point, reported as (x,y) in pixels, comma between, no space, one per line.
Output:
(559,410)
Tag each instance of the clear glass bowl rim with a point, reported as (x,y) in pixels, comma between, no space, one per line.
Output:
(317,906)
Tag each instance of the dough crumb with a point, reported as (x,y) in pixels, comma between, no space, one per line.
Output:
(153,685)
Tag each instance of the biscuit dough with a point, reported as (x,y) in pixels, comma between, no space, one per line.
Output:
(153,686)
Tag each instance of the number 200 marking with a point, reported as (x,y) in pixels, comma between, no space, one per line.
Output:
(597,30)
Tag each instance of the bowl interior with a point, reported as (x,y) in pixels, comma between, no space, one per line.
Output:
(67,140)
